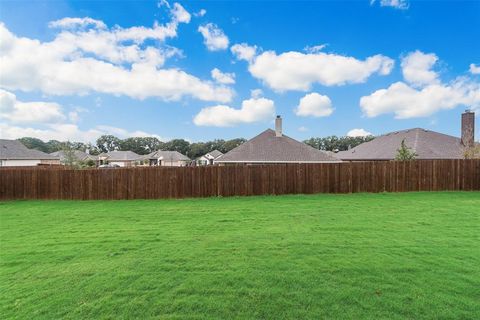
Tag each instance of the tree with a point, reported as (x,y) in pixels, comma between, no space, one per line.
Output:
(231,144)
(179,145)
(34,143)
(472,152)
(405,153)
(108,143)
(69,157)
(334,143)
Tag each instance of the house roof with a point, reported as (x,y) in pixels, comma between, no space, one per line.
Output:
(426,144)
(268,148)
(214,154)
(121,156)
(15,150)
(80,155)
(167,156)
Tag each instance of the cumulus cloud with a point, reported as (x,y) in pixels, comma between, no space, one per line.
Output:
(213,37)
(417,68)
(474,69)
(299,71)
(252,110)
(358,133)
(315,105)
(200,13)
(408,102)
(423,94)
(17,111)
(223,78)
(243,51)
(67,23)
(86,57)
(397,4)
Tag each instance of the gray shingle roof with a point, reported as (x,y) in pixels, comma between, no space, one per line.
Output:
(121,156)
(215,154)
(427,144)
(167,156)
(15,150)
(80,155)
(267,148)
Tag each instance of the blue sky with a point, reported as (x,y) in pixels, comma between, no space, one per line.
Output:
(77,69)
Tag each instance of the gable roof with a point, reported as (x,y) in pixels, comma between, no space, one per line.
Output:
(268,148)
(15,150)
(214,154)
(121,156)
(80,155)
(426,144)
(167,156)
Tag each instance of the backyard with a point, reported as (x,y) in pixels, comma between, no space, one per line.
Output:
(357,256)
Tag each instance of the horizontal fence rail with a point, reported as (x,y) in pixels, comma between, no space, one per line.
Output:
(240,180)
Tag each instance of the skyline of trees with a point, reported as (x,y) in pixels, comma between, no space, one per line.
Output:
(145,145)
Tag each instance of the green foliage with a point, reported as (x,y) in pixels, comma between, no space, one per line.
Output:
(334,143)
(69,157)
(361,256)
(405,153)
(472,153)
(108,143)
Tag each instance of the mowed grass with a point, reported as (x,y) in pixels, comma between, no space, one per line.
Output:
(361,256)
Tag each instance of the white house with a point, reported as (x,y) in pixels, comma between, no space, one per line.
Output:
(14,154)
(209,158)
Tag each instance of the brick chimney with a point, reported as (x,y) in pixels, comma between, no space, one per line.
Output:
(468,128)
(278,126)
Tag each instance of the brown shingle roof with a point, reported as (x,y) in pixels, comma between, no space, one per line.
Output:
(427,144)
(15,150)
(267,148)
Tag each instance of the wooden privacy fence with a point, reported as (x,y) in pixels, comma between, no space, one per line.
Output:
(241,180)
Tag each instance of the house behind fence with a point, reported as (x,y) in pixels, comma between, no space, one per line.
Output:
(240,180)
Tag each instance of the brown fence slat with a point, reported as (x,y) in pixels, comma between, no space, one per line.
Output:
(239,180)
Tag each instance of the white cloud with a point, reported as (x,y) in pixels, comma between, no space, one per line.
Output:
(252,110)
(359,133)
(256,93)
(17,111)
(66,131)
(408,102)
(243,51)
(180,14)
(397,4)
(423,93)
(416,68)
(223,78)
(213,37)
(303,129)
(315,105)
(474,69)
(200,13)
(87,57)
(298,71)
(67,23)
(314,49)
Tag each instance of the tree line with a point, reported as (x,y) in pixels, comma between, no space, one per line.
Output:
(193,150)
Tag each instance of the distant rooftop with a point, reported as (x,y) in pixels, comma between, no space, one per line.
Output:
(269,148)
(121,156)
(15,150)
(427,144)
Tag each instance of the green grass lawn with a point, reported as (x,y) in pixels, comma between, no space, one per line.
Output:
(371,256)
